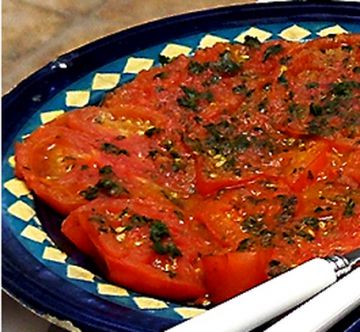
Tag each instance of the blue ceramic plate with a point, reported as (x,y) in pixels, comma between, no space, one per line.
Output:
(43,270)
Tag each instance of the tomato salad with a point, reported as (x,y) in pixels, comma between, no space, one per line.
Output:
(210,174)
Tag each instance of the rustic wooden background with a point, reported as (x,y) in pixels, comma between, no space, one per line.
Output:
(37,31)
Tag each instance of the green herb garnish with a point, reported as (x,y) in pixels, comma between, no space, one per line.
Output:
(159,232)
(226,65)
(349,208)
(271,51)
(312,85)
(163,60)
(315,109)
(152,131)
(251,42)
(196,67)
(90,193)
(110,148)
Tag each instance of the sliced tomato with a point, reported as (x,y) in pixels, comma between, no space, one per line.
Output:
(76,234)
(351,170)
(249,213)
(120,121)
(302,167)
(233,273)
(58,163)
(222,221)
(208,184)
(128,251)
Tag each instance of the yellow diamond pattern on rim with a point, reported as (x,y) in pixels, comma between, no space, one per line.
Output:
(21,210)
(33,233)
(333,30)
(79,273)
(149,303)
(46,117)
(136,65)
(174,50)
(112,290)
(54,254)
(105,81)
(11,161)
(77,98)
(210,40)
(17,187)
(294,33)
(189,312)
(260,34)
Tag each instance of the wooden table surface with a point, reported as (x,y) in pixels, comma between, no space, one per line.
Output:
(37,31)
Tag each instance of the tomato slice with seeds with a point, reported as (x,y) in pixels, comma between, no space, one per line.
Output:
(246,218)
(301,168)
(121,121)
(125,233)
(58,163)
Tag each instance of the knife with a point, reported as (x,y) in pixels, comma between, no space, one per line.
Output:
(274,297)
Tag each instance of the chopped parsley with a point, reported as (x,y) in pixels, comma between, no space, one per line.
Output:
(349,208)
(111,187)
(276,268)
(108,184)
(245,245)
(164,60)
(251,42)
(344,89)
(312,85)
(158,233)
(242,89)
(106,170)
(110,148)
(347,48)
(196,67)
(90,193)
(296,110)
(226,65)
(315,109)
(288,206)
(192,97)
(312,222)
(152,131)
(282,79)
(272,51)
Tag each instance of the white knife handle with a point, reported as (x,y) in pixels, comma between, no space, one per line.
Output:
(266,301)
(325,309)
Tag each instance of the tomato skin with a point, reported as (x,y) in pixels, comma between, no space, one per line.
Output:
(75,233)
(144,280)
(233,273)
